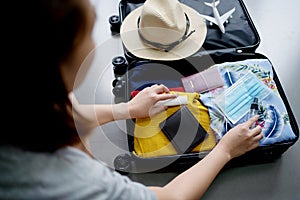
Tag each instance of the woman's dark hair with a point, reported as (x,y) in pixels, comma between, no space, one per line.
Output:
(38,36)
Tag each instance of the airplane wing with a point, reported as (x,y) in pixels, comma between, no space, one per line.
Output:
(211,4)
(226,15)
(209,18)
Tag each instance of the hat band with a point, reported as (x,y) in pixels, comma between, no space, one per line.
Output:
(167,47)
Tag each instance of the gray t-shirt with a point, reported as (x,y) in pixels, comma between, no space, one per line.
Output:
(66,174)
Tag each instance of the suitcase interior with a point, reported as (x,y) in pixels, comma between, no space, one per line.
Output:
(239,43)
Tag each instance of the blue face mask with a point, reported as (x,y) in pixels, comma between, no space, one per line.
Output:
(236,100)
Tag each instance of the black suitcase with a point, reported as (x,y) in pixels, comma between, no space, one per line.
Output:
(239,43)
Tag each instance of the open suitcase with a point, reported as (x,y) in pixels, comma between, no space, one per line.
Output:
(236,46)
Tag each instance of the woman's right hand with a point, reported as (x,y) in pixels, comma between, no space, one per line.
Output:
(143,104)
(241,138)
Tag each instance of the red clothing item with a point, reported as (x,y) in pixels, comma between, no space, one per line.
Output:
(177,89)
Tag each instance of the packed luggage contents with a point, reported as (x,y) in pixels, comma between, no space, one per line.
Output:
(219,98)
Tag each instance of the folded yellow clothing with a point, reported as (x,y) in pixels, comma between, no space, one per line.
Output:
(150,141)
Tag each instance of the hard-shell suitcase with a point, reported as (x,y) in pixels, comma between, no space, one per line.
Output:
(238,44)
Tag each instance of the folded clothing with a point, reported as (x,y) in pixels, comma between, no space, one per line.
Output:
(274,118)
(150,141)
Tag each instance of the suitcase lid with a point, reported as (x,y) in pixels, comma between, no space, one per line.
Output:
(240,33)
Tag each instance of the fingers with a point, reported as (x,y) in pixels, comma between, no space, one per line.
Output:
(160,88)
(255,132)
(258,137)
(167,96)
(251,121)
(163,91)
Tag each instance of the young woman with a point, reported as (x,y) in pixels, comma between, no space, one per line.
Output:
(41,154)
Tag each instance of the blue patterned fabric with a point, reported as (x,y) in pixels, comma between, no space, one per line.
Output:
(273,119)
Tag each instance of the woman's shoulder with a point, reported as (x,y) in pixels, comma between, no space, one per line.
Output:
(42,175)
(69,172)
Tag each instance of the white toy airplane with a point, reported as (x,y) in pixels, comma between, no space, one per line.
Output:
(217,19)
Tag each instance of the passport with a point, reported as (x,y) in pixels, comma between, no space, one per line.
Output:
(203,81)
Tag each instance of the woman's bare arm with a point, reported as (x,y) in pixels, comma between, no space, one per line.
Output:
(142,105)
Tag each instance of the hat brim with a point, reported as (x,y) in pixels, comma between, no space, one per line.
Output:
(133,43)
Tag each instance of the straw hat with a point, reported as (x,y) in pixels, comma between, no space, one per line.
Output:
(163,30)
